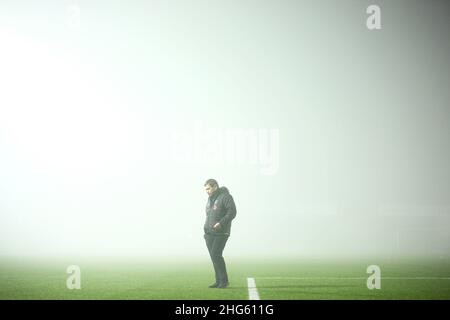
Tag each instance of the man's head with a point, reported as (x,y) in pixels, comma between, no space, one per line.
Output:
(211,186)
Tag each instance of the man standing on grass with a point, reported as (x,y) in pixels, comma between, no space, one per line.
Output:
(220,210)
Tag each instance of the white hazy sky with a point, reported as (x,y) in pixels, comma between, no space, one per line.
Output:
(332,139)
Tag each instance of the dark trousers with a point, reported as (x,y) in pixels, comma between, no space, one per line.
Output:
(216,244)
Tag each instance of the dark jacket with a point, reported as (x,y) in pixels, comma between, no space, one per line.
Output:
(220,208)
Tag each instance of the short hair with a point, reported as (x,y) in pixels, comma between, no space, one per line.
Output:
(211,182)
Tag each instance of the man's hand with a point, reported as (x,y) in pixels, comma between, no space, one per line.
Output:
(216,226)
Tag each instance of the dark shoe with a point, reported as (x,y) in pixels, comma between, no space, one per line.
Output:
(214,285)
(223,285)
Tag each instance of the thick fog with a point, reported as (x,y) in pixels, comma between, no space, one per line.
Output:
(333,139)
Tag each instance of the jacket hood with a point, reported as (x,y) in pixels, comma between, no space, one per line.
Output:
(224,190)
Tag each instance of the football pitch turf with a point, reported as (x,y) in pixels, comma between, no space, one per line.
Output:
(302,278)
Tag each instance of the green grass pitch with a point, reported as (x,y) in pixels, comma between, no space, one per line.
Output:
(302,278)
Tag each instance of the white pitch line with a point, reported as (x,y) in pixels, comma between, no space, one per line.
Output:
(355,278)
(252,291)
